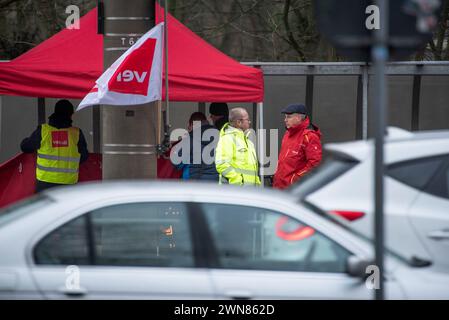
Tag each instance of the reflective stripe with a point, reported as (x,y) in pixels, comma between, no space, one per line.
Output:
(49,157)
(226,171)
(238,170)
(222,161)
(297,174)
(244,171)
(63,170)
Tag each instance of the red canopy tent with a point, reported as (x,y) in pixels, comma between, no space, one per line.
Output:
(67,65)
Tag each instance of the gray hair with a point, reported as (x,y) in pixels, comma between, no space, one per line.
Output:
(236,114)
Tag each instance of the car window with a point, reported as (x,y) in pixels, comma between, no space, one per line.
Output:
(143,234)
(66,245)
(332,168)
(415,173)
(439,186)
(134,234)
(254,238)
(23,208)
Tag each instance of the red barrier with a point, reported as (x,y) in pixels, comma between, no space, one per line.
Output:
(18,175)
(17,178)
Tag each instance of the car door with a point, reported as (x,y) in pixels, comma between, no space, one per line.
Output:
(132,250)
(265,254)
(430,217)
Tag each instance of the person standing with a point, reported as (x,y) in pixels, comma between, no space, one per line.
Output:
(60,149)
(199,165)
(301,149)
(235,156)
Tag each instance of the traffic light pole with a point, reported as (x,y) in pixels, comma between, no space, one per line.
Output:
(380,56)
(129,136)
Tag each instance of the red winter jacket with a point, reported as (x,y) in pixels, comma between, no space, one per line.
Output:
(300,152)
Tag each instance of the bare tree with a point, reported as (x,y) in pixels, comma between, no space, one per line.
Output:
(247,30)
(6,3)
(437,49)
(439,46)
(26,23)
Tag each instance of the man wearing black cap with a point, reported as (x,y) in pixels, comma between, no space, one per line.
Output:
(60,149)
(219,114)
(300,149)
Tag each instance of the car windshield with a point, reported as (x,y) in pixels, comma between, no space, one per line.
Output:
(22,208)
(334,166)
(413,262)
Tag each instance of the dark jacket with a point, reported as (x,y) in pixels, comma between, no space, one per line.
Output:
(203,169)
(300,153)
(33,142)
(221,122)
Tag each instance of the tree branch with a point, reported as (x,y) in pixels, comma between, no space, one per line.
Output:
(442,28)
(290,36)
(6,3)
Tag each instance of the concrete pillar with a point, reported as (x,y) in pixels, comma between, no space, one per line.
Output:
(129,132)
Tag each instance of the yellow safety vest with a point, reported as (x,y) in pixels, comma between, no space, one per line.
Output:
(58,157)
(235,158)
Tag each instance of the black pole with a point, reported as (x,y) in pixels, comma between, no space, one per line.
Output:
(202,107)
(100,17)
(96,123)
(380,55)
(41,111)
(359,109)
(309,94)
(415,101)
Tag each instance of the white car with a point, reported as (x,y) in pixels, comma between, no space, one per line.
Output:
(157,240)
(416,191)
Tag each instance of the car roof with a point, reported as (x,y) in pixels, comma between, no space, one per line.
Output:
(120,188)
(361,149)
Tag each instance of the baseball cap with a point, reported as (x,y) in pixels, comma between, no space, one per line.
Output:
(295,108)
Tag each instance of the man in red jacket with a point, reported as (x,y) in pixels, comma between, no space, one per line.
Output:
(300,149)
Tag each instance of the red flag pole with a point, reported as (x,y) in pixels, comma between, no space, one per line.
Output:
(167,101)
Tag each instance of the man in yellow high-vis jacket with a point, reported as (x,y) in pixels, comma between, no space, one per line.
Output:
(235,155)
(60,149)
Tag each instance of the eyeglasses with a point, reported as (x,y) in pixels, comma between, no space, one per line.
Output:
(245,120)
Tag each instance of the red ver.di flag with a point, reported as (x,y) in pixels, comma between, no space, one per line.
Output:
(135,78)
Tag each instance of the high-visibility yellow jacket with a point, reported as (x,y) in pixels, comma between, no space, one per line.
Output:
(58,157)
(235,158)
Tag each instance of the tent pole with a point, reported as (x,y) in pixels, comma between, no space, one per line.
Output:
(202,107)
(41,110)
(167,101)
(365,80)
(261,142)
(96,120)
(159,122)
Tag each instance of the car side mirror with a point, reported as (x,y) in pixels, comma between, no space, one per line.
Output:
(356,267)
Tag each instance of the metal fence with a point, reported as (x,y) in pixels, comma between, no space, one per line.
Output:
(418,94)
(337,95)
